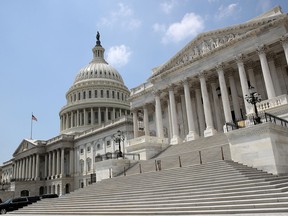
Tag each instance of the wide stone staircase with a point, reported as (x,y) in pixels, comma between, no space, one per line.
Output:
(218,187)
(199,151)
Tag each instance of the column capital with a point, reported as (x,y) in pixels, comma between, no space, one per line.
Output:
(284,39)
(171,87)
(202,74)
(185,81)
(239,58)
(219,66)
(261,49)
(156,92)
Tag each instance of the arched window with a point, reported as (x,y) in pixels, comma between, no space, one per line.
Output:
(88,163)
(81,163)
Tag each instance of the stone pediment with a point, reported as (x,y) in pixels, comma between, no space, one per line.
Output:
(24,146)
(212,41)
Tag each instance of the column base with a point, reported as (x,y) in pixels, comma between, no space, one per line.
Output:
(209,132)
(191,136)
(175,140)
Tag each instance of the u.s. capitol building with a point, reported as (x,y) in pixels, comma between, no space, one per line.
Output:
(207,88)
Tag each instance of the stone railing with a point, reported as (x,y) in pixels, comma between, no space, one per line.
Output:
(147,139)
(140,88)
(271,103)
(60,137)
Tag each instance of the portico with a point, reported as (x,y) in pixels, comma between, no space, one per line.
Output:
(228,60)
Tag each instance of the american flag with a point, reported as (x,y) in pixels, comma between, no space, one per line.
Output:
(34,118)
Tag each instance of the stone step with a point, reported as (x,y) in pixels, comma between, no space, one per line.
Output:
(264,207)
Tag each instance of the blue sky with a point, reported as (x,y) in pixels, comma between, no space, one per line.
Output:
(44,43)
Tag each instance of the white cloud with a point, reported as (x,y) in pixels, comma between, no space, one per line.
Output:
(190,25)
(118,55)
(123,16)
(159,27)
(228,11)
(167,6)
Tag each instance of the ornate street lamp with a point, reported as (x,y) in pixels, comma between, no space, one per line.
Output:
(253,99)
(118,137)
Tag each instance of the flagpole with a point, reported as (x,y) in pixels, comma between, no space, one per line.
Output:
(31,127)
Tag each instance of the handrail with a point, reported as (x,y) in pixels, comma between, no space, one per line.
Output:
(274,119)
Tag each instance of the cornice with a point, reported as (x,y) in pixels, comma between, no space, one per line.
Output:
(175,64)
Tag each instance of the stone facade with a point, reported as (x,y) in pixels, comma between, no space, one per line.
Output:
(198,93)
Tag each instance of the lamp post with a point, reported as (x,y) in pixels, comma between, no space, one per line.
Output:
(253,99)
(118,137)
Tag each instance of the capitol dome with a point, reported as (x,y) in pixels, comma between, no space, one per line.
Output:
(97,96)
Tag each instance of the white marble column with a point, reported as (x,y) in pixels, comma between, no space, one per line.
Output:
(72,119)
(146,120)
(266,72)
(192,135)
(30,168)
(58,162)
(85,117)
(135,123)
(224,93)
(169,118)
(45,166)
(33,166)
(158,115)
(49,164)
(99,116)
(53,162)
(62,162)
(175,132)
(200,111)
(272,67)
(37,167)
(92,117)
(235,97)
(77,118)
(210,130)
(67,121)
(284,42)
(218,115)
(71,159)
(243,79)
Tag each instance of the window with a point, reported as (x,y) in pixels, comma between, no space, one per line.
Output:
(74,97)
(118,96)
(88,148)
(102,94)
(84,95)
(107,92)
(98,146)
(81,151)
(90,94)
(113,94)
(79,95)
(81,166)
(88,164)
(96,94)
(108,144)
